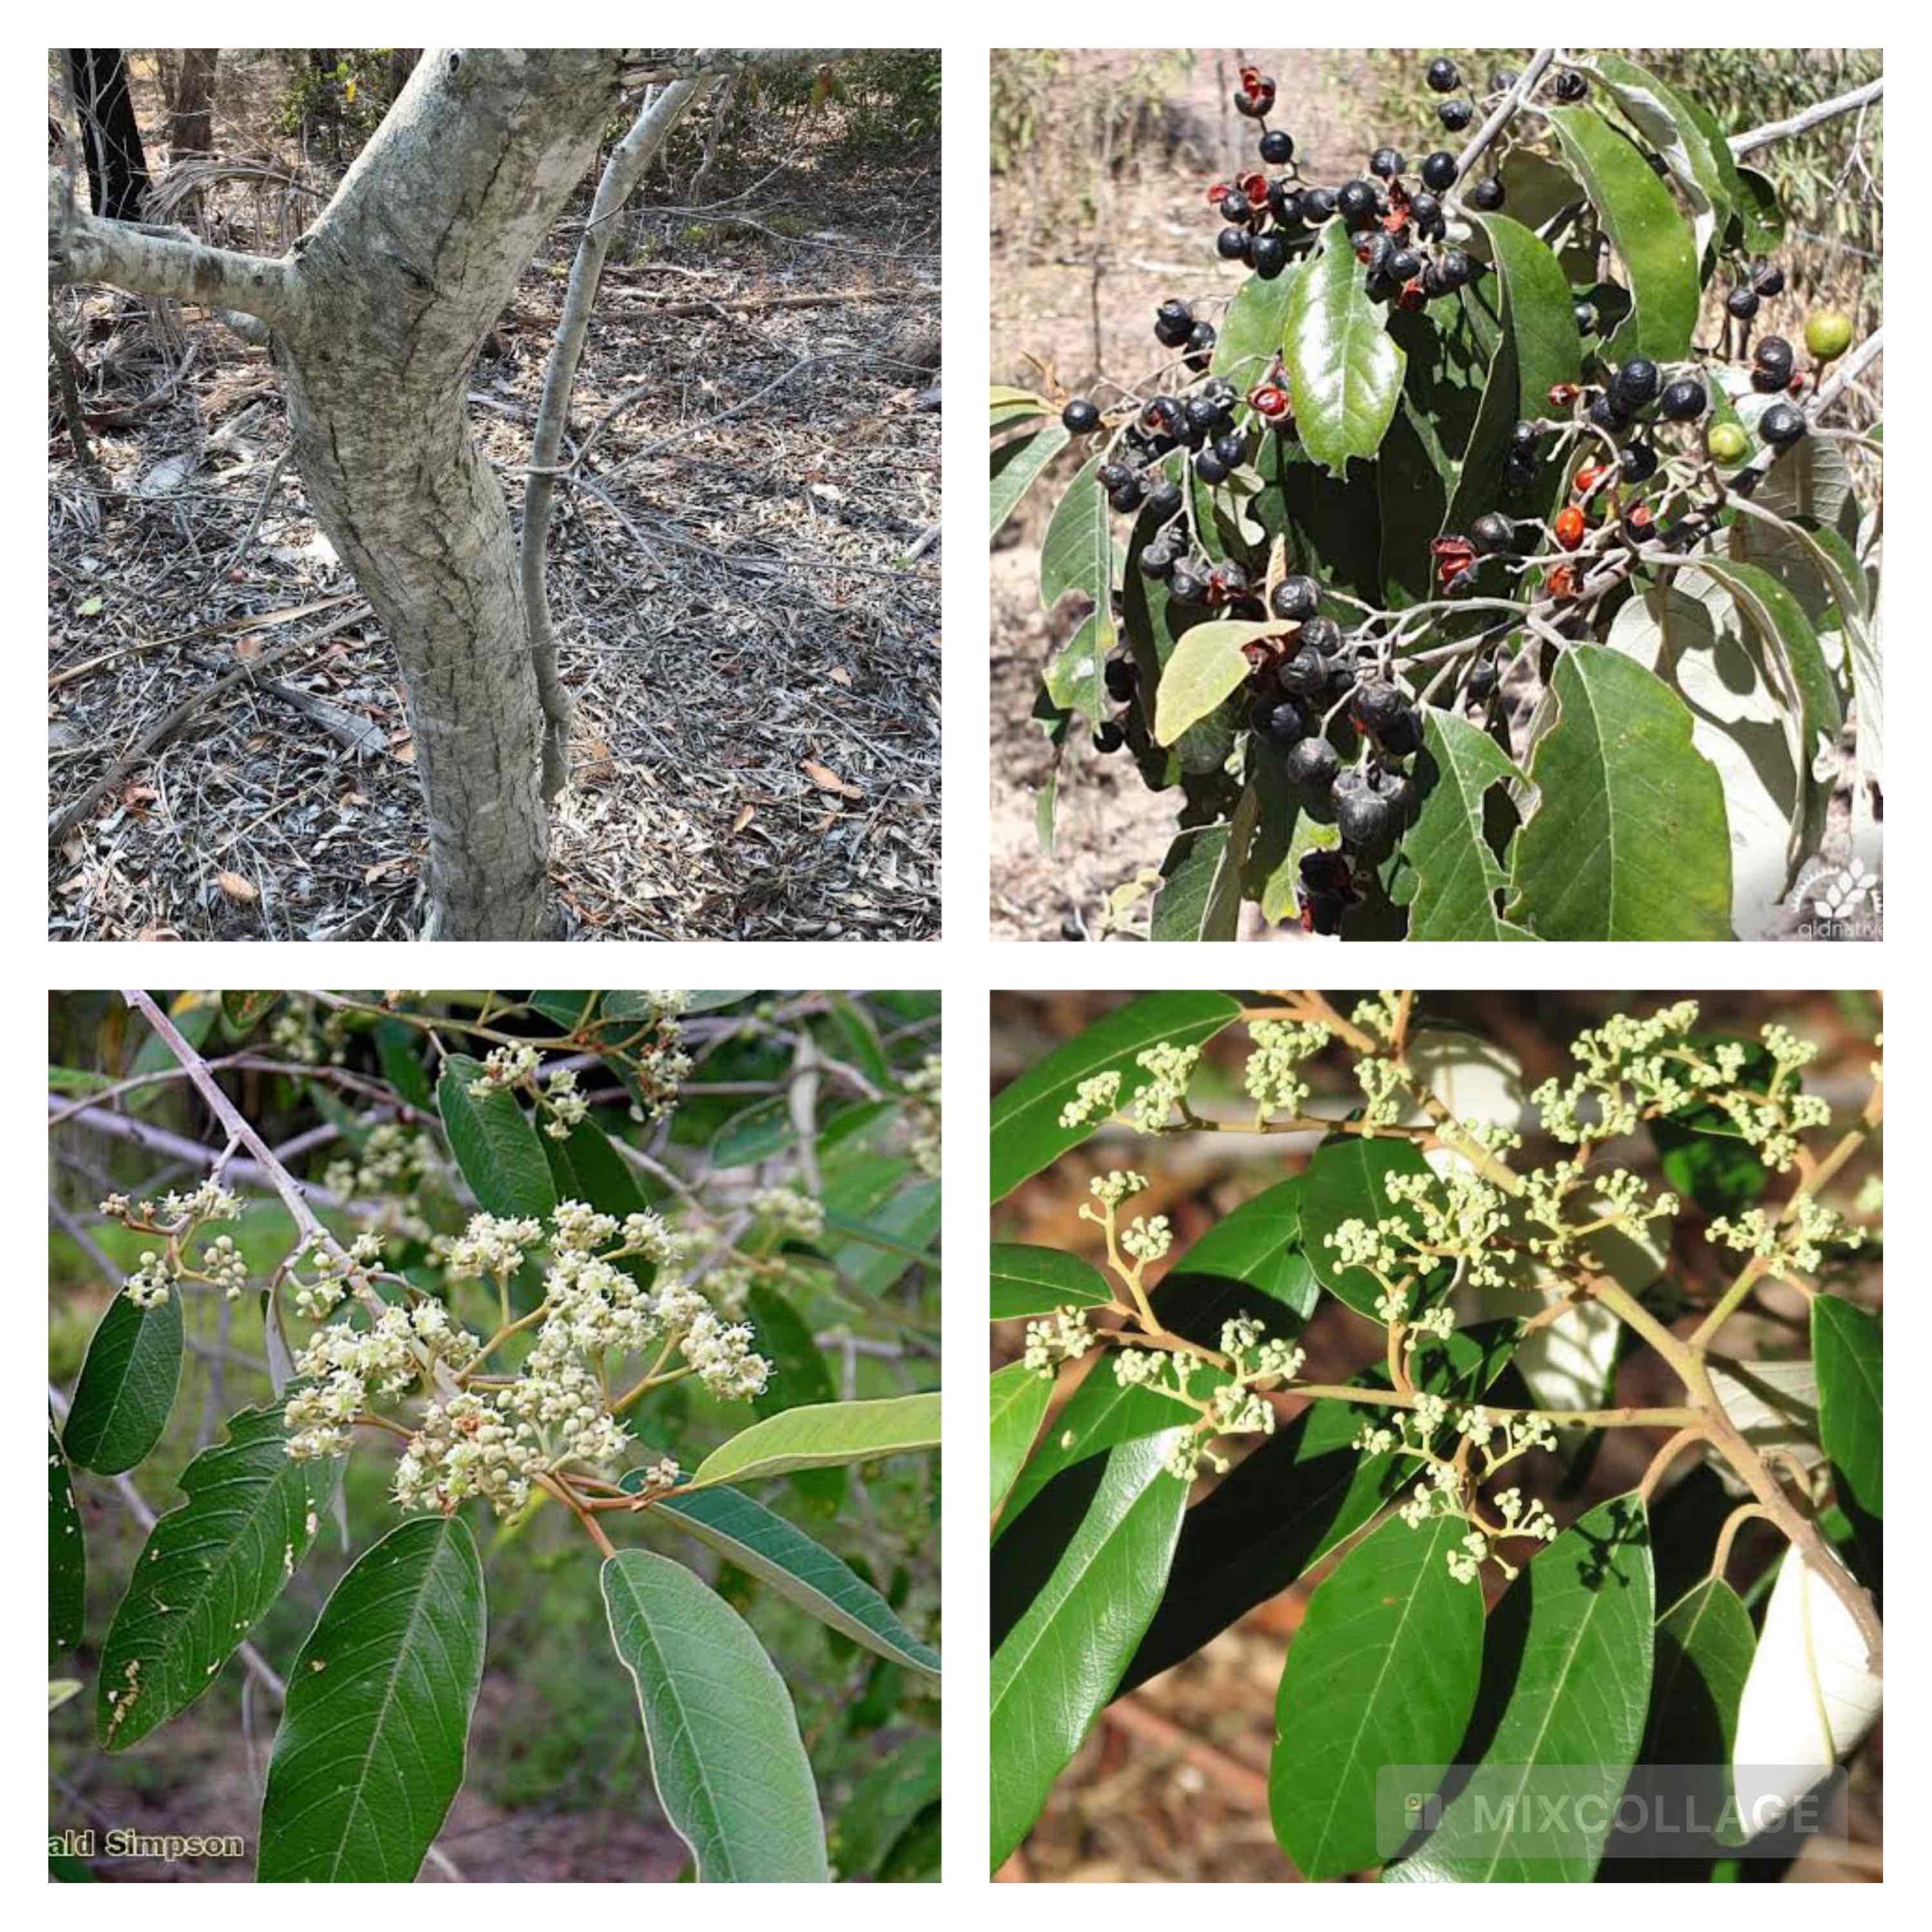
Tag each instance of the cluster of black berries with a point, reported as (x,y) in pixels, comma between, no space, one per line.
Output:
(1755,286)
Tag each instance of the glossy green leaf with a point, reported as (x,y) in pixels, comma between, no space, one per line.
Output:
(1016,466)
(1058,1665)
(1027,1134)
(1629,839)
(243,1012)
(1006,404)
(822,1436)
(1561,1713)
(1028,1281)
(1848,1347)
(1018,1399)
(1705,1641)
(1651,238)
(1259,1246)
(884,1803)
(1344,1181)
(1382,1672)
(799,1378)
(1207,666)
(1538,346)
(1306,1489)
(1702,1153)
(127,1386)
(585,1165)
(1199,896)
(1760,213)
(499,1151)
(1699,165)
(399,1049)
(208,1572)
(67,1558)
(371,1750)
(1251,333)
(760,1541)
(730,1770)
(1345,371)
(1453,879)
(872,1254)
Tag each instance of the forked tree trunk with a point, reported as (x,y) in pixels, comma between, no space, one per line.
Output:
(117,170)
(374,320)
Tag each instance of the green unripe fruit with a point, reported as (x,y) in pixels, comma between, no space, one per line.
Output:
(1828,334)
(1727,442)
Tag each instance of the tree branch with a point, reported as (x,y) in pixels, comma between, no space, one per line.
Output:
(148,260)
(1811,117)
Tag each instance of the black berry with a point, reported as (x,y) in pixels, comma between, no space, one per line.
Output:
(1486,195)
(1295,599)
(1638,463)
(1127,498)
(1109,737)
(1438,171)
(1313,763)
(1426,211)
(1781,425)
(1303,675)
(1401,734)
(1571,86)
(1503,79)
(1772,360)
(1081,416)
(1321,635)
(1318,204)
(1163,500)
(1269,253)
(1525,436)
(1767,280)
(1200,343)
(1211,470)
(1280,721)
(1442,76)
(1742,303)
(1482,678)
(1455,115)
(1227,581)
(1364,820)
(1186,583)
(1355,202)
(1374,703)
(1608,414)
(1387,162)
(1277,148)
(1492,534)
(1232,243)
(1684,401)
(1636,383)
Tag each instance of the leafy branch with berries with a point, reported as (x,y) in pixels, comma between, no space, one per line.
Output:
(1392,1381)
(588,1274)
(1484,568)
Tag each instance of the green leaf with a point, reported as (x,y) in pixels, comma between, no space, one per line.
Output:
(1017,463)
(805,1573)
(1700,167)
(1073,536)
(1702,1152)
(883,1804)
(1253,331)
(194,1015)
(1451,885)
(399,1048)
(822,1436)
(1658,251)
(1848,1345)
(730,1770)
(1199,896)
(208,1573)
(800,1379)
(1009,405)
(1305,1490)
(1258,1246)
(585,1165)
(1345,371)
(1538,346)
(1566,1688)
(67,1558)
(1028,1281)
(1344,1181)
(1760,214)
(874,1253)
(1027,1134)
(1207,666)
(1629,840)
(243,1012)
(1018,1398)
(371,1750)
(1383,1672)
(127,1386)
(499,1151)
(1058,1665)
(1705,1643)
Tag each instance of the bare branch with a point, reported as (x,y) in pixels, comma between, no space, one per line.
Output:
(1505,111)
(1810,118)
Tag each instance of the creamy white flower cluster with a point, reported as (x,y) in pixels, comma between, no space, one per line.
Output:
(1234,1407)
(335,1275)
(304,1033)
(1452,1487)
(1094,1097)
(1062,1336)
(563,1102)
(789,1211)
(505,1067)
(1273,1077)
(342,1364)
(178,1218)
(923,1117)
(391,1159)
(1151,1109)
(1794,1246)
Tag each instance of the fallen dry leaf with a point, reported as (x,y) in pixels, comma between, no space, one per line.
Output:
(746,813)
(376,871)
(237,888)
(839,674)
(830,780)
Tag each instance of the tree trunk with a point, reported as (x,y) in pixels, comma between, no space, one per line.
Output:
(374,320)
(117,170)
(191,103)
